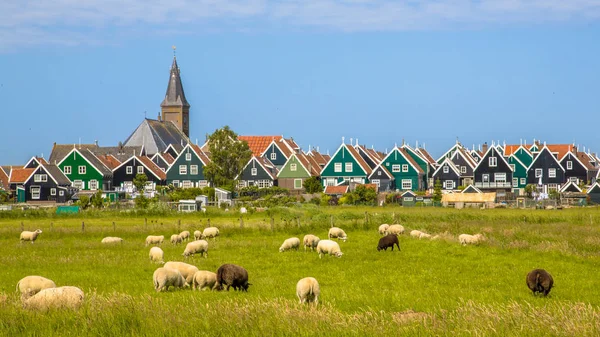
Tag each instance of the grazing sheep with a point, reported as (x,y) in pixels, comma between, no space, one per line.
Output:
(396,229)
(197,235)
(310,241)
(425,236)
(436,237)
(336,232)
(157,255)
(465,239)
(54,298)
(291,243)
(185,235)
(112,239)
(30,236)
(383,229)
(329,247)
(31,285)
(154,240)
(415,233)
(210,232)
(186,270)
(388,241)
(308,290)
(204,279)
(176,239)
(540,281)
(165,277)
(232,275)
(196,247)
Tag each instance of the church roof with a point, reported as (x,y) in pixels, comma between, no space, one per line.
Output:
(155,136)
(175,95)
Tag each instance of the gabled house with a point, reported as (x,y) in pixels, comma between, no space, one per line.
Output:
(493,172)
(578,167)
(448,154)
(370,156)
(594,193)
(465,164)
(545,171)
(521,152)
(35,162)
(447,174)
(163,160)
(173,150)
(16,179)
(345,166)
(570,187)
(336,191)
(471,189)
(432,164)
(47,183)
(277,152)
(85,170)
(188,168)
(124,174)
(298,168)
(383,178)
(319,158)
(4,181)
(519,180)
(258,172)
(423,163)
(258,144)
(408,175)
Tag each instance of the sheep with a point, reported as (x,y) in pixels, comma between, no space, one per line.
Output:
(425,236)
(54,298)
(388,241)
(210,232)
(154,240)
(329,247)
(336,232)
(310,241)
(30,236)
(465,239)
(204,279)
(291,243)
(31,285)
(196,247)
(164,277)
(383,229)
(232,275)
(112,239)
(185,235)
(540,281)
(156,255)
(197,235)
(415,233)
(396,229)
(176,239)
(308,290)
(186,270)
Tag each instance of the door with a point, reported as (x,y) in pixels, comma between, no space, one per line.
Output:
(20,194)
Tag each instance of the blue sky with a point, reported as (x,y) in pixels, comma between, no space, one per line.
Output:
(380,71)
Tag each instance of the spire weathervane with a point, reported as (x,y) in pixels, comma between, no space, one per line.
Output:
(174,50)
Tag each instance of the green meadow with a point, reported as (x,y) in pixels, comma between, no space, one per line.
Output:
(428,288)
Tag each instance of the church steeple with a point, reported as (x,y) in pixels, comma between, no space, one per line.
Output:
(175,107)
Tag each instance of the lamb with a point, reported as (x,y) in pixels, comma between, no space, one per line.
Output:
(185,235)
(383,229)
(157,255)
(54,298)
(30,236)
(308,290)
(31,285)
(210,232)
(196,247)
(335,232)
(329,247)
(186,270)
(176,239)
(291,243)
(310,241)
(465,239)
(232,275)
(415,233)
(112,239)
(204,279)
(197,235)
(154,240)
(165,277)
(396,229)
(388,241)
(540,281)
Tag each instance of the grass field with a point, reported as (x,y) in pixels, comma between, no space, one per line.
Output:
(429,288)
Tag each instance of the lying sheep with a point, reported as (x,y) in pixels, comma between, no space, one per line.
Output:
(388,241)
(112,239)
(186,270)
(336,232)
(308,290)
(204,279)
(383,229)
(291,243)
(465,239)
(425,236)
(210,232)
(157,255)
(232,275)
(31,285)
(30,236)
(415,233)
(329,247)
(540,281)
(310,241)
(196,247)
(185,235)
(197,235)
(176,239)
(54,298)
(396,229)
(165,277)
(154,240)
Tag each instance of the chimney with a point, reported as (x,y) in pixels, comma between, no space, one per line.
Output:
(574,149)
(485,147)
(96,142)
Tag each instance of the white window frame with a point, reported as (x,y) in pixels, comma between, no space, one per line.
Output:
(376,182)
(515,182)
(61,193)
(93,184)
(53,191)
(187,184)
(574,180)
(67,169)
(36,192)
(551,173)
(485,178)
(348,167)
(293,167)
(263,183)
(538,172)
(446,168)
(79,184)
(149,185)
(337,167)
(500,177)
(194,170)
(202,183)
(378,172)
(493,162)
(296,181)
(273,156)
(552,186)
(182,169)
(253,171)
(569,165)
(175,183)
(81,169)
(406,184)
(40,178)
(404,167)
(447,183)
(523,181)
(188,156)
(463,169)
(140,169)
(129,170)
(396,168)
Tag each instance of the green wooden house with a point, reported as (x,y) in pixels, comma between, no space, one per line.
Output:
(524,155)
(408,174)
(345,166)
(519,180)
(421,161)
(188,168)
(296,169)
(85,170)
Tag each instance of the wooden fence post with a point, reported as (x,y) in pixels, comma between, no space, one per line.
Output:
(272,224)
(146,223)
(114,227)
(241,223)
(22,228)
(52,226)
(331,220)
(83,227)
(179,225)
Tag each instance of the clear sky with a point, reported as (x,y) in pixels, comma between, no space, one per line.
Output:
(315,70)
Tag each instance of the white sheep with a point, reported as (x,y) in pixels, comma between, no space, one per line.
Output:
(186,270)
(243,210)
(336,232)
(196,247)
(154,239)
(210,232)
(112,239)
(396,229)
(310,241)
(176,239)
(204,279)
(31,285)
(197,235)
(425,236)
(415,233)
(308,290)
(185,235)
(156,255)
(291,243)
(54,298)
(30,236)
(329,247)
(465,239)
(165,277)
(383,229)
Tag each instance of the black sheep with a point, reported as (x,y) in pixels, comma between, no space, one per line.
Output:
(540,281)
(232,275)
(388,241)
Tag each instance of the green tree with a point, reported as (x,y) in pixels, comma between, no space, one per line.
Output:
(529,189)
(140,181)
(313,185)
(83,202)
(228,157)
(96,200)
(141,202)
(437,191)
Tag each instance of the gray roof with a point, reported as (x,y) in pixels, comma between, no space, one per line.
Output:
(155,136)
(122,153)
(92,159)
(60,151)
(57,174)
(175,95)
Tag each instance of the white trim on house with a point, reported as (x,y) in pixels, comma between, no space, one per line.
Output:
(335,154)
(498,155)
(551,154)
(450,164)
(288,162)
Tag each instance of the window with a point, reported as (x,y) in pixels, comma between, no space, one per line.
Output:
(40,178)
(253,171)
(485,178)
(463,169)
(500,177)
(538,173)
(35,192)
(93,185)
(82,170)
(330,182)
(53,191)
(194,169)
(188,156)
(523,181)
(202,183)
(297,184)
(263,183)
(446,169)
(493,161)
(273,156)
(140,170)
(552,173)
(175,183)
(149,186)
(515,182)
(67,169)
(574,180)
(182,169)
(129,169)
(79,184)
(378,173)
(348,167)
(552,187)
(337,167)
(396,168)
(449,184)
(61,193)
(569,165)
(375,181)
(407,184)
(187,184)
(387,164)
(293,167)
(404,168)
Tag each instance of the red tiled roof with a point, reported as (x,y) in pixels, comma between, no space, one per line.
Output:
(258,144)
(205,159)
(20,175)
(427,156)
(335,190)
(109,161)
(585,160)
(158,172)
(411,160)
(309,163)
(510,149)
(287,152)
(319,158)
(559,149)
(359,159)
(168,158)
(42,160)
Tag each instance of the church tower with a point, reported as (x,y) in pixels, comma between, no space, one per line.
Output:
(175,107)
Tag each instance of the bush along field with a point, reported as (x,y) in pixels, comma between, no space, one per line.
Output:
(430,287)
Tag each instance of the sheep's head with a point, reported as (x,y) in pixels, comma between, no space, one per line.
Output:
(38,231)
(339,254)
(281,249)
(480,237)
